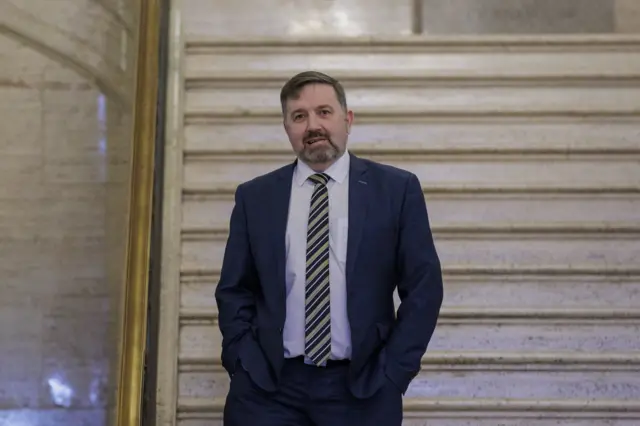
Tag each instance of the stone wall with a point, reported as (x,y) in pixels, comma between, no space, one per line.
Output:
(65,114)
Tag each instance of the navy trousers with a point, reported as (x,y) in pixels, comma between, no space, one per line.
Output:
(309,396)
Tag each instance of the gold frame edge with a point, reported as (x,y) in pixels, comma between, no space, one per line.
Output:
(134,326)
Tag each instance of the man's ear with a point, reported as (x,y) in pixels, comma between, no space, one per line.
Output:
(349,120)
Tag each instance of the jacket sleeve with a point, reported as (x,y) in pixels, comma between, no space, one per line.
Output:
(419,287)
(234,295)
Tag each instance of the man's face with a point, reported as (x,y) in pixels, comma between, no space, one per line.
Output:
(317,126)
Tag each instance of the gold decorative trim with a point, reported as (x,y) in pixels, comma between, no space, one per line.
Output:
(206,408)
(129,410)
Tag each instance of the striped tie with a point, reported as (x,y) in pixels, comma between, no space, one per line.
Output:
(317,296)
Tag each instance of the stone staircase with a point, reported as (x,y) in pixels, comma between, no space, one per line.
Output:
(528,150)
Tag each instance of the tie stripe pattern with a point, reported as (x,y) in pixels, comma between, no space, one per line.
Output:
(317,294)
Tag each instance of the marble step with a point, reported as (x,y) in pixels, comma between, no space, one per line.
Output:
(467,412)
(373,102)
(462,330)
(428,60)
(446,173)
(542,291)
(490,249)
(208,215)
(483,375)
(541,212)
(494,137)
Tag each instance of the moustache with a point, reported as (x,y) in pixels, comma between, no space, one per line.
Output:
(316,135)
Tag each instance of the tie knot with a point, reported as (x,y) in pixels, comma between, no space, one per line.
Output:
(320,178)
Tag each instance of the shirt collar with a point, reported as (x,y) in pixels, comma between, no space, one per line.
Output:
(338,171)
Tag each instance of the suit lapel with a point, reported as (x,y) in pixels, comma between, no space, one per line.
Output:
(278,207)
(358,205)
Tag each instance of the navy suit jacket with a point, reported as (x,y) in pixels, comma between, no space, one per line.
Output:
(389,245)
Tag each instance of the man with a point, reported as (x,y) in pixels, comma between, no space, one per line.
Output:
(315,252)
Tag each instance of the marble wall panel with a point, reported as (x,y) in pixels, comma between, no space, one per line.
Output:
(296,18)
(518,16)
(65,114)
(287,18)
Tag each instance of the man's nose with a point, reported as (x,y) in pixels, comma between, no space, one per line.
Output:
(313,123)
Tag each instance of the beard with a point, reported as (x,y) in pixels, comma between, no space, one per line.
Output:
(319,152)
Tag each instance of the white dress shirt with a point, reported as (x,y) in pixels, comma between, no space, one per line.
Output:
(296,248)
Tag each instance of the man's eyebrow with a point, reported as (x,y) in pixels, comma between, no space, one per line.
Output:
(297,110)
